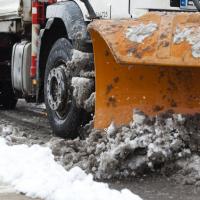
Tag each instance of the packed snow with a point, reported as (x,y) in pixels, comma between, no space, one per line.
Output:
(82,89)
(192,36)
(140,32)
(33,171)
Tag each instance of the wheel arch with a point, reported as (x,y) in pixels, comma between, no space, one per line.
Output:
(48,37)
(65,19)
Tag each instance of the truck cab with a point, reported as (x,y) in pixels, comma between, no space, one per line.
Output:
(118,9)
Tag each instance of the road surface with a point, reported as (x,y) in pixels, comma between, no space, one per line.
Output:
(8,193)
(32,121)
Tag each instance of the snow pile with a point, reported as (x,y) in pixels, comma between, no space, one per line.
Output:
(192,36)
(33,171)
(168,143)
(147,144)
(140,32)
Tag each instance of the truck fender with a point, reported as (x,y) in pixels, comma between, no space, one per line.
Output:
(64,19)
(70,13)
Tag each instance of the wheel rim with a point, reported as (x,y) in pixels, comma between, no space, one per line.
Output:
(57,91)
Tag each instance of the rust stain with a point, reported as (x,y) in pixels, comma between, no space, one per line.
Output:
(173,103)
(116,79)
(109,89)
(141,77)
(158,108)
(163,36)
(106,53)
(112,101)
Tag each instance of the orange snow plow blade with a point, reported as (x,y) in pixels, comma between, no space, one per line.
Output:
(151,64)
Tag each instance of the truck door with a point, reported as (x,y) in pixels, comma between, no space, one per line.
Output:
(114,9)
(120,9)
(102,8)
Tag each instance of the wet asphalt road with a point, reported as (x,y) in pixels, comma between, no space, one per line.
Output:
(159,188)
(33,121)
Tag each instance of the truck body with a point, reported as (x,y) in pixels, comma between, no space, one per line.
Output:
(66,53)
(9,9)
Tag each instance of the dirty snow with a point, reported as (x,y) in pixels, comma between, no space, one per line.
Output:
(140,32)
(33,171)
(82,68)
(81,61)
(168,144)
(189,170)
(82,88)
(145,145)
(89,104)
(192,36)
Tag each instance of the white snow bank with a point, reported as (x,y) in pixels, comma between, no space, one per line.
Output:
(33,171)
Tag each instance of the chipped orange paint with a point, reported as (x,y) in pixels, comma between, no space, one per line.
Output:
(159,75)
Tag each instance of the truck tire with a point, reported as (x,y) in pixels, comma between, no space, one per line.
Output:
(64,116)
(8,100)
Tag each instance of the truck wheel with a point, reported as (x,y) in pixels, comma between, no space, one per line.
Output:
(64,116)
(8,100)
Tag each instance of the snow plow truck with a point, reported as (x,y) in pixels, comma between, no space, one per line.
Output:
(106,57)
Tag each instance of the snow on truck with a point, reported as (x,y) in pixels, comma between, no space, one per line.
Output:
(146,56)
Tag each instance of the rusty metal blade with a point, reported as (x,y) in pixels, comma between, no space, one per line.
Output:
(171,43)
(158,74)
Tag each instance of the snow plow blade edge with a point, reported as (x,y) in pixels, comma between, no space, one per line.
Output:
(151,63)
